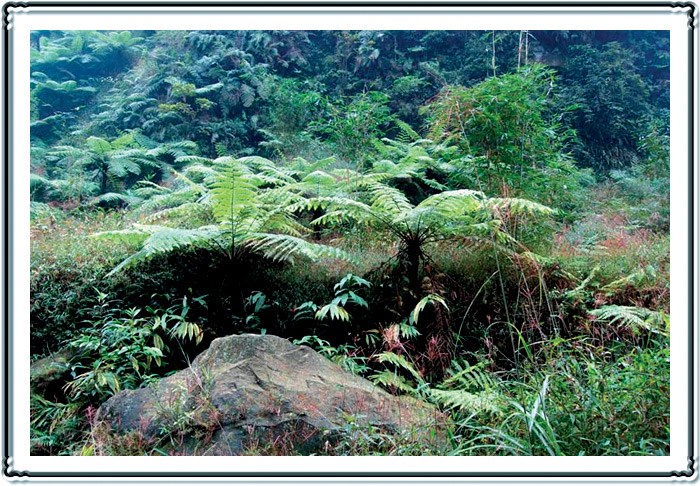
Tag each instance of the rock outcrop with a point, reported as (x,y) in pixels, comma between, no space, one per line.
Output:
(252,393)
(48,375)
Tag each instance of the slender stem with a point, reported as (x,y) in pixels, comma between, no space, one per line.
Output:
(493,51)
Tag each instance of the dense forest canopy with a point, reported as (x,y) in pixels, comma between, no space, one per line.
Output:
(458,215)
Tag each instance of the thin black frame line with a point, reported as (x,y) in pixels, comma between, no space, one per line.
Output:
(689,472)
(692,437)
(355,3)
(5,250)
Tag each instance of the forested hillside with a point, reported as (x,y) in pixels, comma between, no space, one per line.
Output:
(476,219)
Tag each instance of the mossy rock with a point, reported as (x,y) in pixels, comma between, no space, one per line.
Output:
(249,392)
(48,375)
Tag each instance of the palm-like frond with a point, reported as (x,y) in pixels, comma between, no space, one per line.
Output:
(193,159)
(159,239)
(637,318)
(478,402)
(170,199)
(252,205)
(115,198)
(388,200)
(336,210)
(122,166)
(280,247)
(456,203)
(519,206)
(232,192)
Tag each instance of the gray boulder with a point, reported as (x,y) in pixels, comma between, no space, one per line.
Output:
(48,375)
(263,394)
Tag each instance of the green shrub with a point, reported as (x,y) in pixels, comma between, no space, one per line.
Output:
(66,266)
(580,402)
(124,348)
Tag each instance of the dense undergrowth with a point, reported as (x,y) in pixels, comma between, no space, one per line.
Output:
(473,242)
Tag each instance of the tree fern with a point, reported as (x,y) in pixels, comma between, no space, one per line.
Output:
(250,213)
(456,214)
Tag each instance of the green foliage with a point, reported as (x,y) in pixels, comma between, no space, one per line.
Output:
(508,142)
(122,349)
(255,304)
(610,99)
(250,200)
(65,268)
(344,355)
(581,403)
(66,68)
(534,336)
(637,318)
(646,184)
(352,126)
(449,215)
(469,390)
(345,293)
(109,164)
(428,299)
(55,427)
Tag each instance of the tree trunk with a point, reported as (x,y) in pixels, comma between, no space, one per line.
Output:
(414,253)
(103,181)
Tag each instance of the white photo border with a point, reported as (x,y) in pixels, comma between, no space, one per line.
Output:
(680,18)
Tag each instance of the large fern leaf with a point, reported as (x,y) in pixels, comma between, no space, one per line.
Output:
(637,318)
(232,192)
(479,402)
(160,239)
(280,247)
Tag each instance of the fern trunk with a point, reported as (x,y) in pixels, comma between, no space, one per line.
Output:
(413,255)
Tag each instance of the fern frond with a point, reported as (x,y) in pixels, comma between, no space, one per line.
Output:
(454,203)
(518,206)
(232,192)
(480,402)
(638,278)
(303,167)
(279,220)
(187,212)
(196,175)
(400,363)
(428,299)
(121,167)
(208,88)
(171,199)
(388,200)
(635,317)
(128,237)
(319,179)
(392,381)
(111,198)
(65,151)
(161,239)
(280,247)
(337,209)
(99,146)
(193,159)
(406,133)
(468,377)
